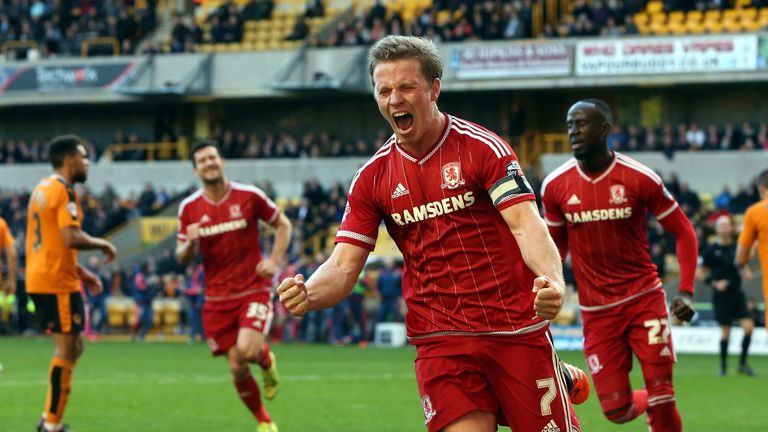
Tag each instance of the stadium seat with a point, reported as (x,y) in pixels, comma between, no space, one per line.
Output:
(730,15)
(117,309)
(132,313)
(171,309)
(732,25)
(641,19)
(675,17)
(655,6)
(712,15)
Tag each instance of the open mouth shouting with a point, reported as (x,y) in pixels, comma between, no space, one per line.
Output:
(403,120)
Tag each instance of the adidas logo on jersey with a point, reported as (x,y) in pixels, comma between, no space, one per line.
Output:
(551,427)
(574,200)
(665,352)
(400,190)
(205,219)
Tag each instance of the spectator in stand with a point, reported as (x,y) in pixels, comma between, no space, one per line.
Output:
(194,289)
(97,303)
(390,287)
(258,10)
(145,287)
(689,200)
(300,30)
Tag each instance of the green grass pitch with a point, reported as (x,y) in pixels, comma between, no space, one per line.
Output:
(175,387)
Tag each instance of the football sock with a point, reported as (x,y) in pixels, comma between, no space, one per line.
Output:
(724,353)
(624,406)
(745,348)
(664,418)
(640,401)
(662,409)
(251,397)
(59,386)
(264,360)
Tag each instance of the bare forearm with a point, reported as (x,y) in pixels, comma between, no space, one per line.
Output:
(742,256)
(282,239)
(539,251)
(12,261)
(330,284)
(185,251)
(83,241)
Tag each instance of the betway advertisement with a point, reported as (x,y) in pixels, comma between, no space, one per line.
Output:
(56,78)
(642,56)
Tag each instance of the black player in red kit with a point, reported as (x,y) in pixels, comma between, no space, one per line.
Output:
(596,205)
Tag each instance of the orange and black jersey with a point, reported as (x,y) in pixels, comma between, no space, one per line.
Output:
(51,266)
(6,239)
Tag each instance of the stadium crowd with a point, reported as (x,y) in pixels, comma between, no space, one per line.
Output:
(59,28)
(241,144)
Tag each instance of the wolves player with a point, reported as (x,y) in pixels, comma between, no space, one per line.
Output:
(222,221)
(596,205)
(482,277)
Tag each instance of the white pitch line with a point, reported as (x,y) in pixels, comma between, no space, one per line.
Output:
(208,379)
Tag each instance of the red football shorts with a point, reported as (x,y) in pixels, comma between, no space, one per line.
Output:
(517,378)
(611,335)
(222,320)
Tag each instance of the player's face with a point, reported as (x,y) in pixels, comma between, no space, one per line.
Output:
(587,131)
(208,165)
(80,165)
(406,99)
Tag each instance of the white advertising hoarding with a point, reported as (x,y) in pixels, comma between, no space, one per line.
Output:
(508,60)
(688,54)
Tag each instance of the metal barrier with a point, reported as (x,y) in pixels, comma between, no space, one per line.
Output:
(155,151)
(100,41)
(531,145)
(13,45)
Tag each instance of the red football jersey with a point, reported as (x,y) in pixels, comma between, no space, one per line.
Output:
(229,238)
(463,270)
(605,216)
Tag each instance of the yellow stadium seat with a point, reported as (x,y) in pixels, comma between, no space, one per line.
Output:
(675,17)
(740,4)
(658,18)
(132,313)
(659,28)
(171,312)
(730,15)
(641,18)
(713,26)
(712,15)
(732,26)
(116,312)
(654,6)
(695,27)
(748,14)
(694,16)
(678,28)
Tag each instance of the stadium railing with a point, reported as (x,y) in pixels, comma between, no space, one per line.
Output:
(99,43)
(531,145)
(164,150)
(14,45)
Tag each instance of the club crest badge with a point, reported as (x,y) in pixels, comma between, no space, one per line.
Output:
(451,176)
(234,211)
(429,410)
(617,194)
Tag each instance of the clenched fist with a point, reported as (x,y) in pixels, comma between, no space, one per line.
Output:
(293,295)
(549,299)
